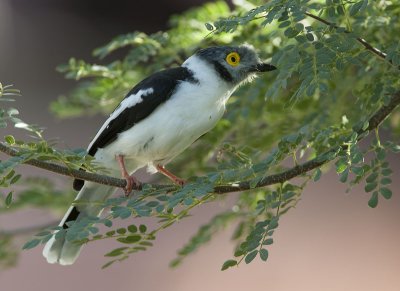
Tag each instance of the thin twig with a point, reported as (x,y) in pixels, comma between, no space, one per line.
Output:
(291,173)
(359,39)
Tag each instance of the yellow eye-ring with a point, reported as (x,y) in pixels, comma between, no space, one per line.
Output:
(233,59)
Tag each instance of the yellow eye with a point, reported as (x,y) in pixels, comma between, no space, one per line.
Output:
(233,59)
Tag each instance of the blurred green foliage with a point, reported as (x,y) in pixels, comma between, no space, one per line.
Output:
(327,86)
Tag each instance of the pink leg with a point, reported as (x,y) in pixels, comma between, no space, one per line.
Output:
(171,176)
(131,182)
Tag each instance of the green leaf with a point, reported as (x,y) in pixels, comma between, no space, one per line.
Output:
(299,26)
(146,243)
(344,175)
(110,233)
(357,158)
(93,230)
(228,264)
(341,165)
(301,39)
(175,262)
(370,186)
(121,230)
(273,224)
(291,32)
(107,222)
(268,241)
(365,125)
(339,64)
(355,8)
(142,228)
(10,174)
(373,201)
(42,233)
(386,172)
(340,10)
(372,177)
(9,199)
(129,239)
(133,238)
(46,238)
(108,264)
(116,252)
(288,195)
(238,253)
(317,175)
(359,171)
(264,254)
(386,181)
(250,257)
(152,204)
(132,228)
(31,244)
(380,154)
(284,24)
(209,26)
(386,192)
(331,11)
(392,146)
(9,139)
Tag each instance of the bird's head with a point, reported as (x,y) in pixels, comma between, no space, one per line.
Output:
(235,64)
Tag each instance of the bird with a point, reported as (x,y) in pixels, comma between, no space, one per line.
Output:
(157,120)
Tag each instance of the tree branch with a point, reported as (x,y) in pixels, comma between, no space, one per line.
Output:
(59,169)
(359,39)
(296,171)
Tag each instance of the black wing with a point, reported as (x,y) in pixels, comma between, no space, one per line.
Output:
(163,84)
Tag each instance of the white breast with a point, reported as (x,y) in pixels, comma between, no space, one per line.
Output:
(193,110)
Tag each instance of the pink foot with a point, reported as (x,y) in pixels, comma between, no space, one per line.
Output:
(131,182)
(172,177)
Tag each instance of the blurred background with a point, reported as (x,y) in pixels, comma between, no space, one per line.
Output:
(331,241)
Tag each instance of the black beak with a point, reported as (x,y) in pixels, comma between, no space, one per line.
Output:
(263,67)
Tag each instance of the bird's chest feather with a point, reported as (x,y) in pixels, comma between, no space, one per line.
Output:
(197,107)
(193,110)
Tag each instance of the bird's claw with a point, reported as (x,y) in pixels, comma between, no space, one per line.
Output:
(179,181)
(131,183)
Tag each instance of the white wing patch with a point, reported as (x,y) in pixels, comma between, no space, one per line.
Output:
(128,102)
